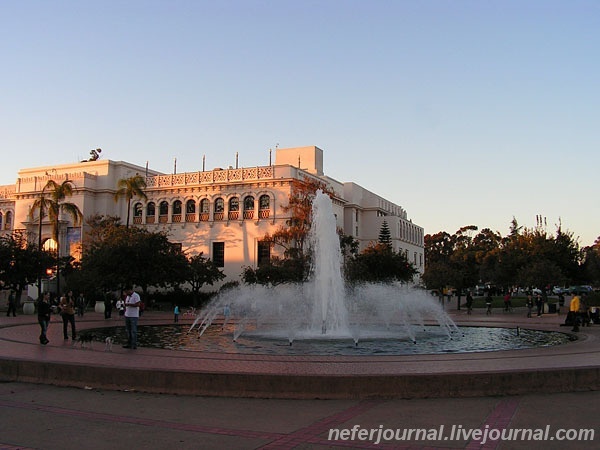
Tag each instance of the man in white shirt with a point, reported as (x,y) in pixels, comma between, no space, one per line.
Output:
(132,313)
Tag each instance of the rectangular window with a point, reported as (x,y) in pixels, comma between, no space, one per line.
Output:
(264,253)
(218,254)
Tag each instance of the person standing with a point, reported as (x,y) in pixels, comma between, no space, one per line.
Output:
(132,313)
(529,305)
(80,303)
(574,308)
(176,314)
(488,302)
(44,311)
(12,304)
(120,305)
(469,302)
(67,311)
(108,301)
(539,303)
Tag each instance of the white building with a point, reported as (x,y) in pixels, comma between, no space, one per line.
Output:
(223,213)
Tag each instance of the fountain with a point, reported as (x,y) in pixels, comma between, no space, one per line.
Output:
(324,308)
(325,317)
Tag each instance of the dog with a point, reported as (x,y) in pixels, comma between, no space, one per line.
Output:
(108,344)
(84,339)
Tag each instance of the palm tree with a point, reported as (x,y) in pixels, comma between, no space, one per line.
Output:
(40,204)
(129,188)
(56,204)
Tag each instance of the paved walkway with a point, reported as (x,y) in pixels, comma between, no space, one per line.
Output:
(89,416)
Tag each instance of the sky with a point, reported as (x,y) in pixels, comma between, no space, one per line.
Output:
(462,112)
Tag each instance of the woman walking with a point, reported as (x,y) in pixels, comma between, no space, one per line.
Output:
(67,311)
(44,311)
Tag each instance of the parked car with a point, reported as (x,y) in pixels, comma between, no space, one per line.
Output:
(578,290)
(479,290)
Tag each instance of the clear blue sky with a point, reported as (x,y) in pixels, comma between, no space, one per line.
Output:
(462,112)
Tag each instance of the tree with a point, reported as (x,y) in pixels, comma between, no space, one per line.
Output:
(294,266)
(134,256)
(55,205)
(201,271)
(385,236)
(379,263)
(130,188)
(591,263)
(21,263)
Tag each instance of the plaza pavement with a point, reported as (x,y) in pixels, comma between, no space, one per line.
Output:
(59,396)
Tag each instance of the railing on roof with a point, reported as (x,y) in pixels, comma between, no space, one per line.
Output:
(212,176)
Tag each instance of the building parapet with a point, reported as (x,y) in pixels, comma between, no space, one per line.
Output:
(7,191)
(245,174)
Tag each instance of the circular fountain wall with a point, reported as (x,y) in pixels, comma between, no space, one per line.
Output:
(379,342)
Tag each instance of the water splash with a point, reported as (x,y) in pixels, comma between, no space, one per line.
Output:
(324,307)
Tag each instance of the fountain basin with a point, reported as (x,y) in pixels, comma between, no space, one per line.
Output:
(374,341)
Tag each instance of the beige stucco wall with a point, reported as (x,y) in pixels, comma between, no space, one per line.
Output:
(359,212)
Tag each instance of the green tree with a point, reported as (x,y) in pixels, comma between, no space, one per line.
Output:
(201,271)
(385,236)
(379,263)
(591,263)
(439,270)
(129,188)
(134,256)
(56,204)
(21,262)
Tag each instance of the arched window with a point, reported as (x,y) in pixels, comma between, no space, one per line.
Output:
(163,211)
(8,220)
(137,213)
(190,207)
(205,209)
(248,207)
(190,211)
(177,205)
(219,208)
(219,205)
(264,206)
(234,208)
(205,206)
(49,245)
(150,212)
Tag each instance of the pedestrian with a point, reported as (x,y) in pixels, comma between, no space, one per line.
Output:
(574,307)
(80,304)
(44,311)
(488,302)
(176,314)
(120,305)
(67,311)
(132,313)
(507,302)
(108,301)
(12,304)
(469,302)
(529,305)
(539,303)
